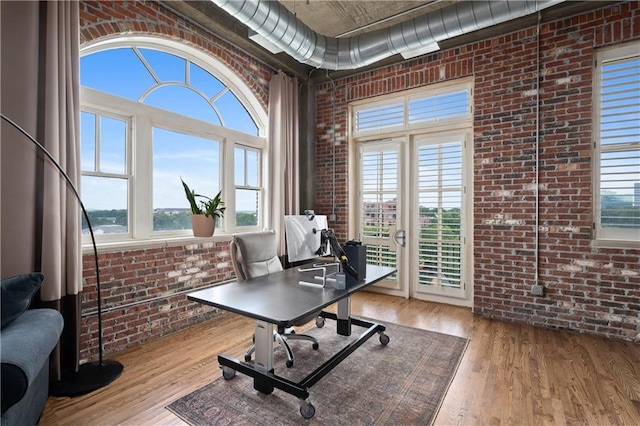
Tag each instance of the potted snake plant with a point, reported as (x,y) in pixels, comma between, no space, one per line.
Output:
(204,211)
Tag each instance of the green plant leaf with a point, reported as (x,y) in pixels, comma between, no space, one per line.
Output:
(201,204)
(191,197)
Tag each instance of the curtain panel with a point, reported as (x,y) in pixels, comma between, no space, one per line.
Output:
(283,152)
(40,222)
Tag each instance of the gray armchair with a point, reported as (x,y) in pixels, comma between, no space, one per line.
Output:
(255,254)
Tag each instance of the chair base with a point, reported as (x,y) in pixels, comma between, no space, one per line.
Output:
(282,338)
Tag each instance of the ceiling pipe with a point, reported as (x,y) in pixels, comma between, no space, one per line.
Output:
(280,27)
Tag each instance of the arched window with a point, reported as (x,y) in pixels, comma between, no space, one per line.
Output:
(156,112)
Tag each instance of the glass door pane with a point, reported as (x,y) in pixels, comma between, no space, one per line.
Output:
(380,204)
(439,204)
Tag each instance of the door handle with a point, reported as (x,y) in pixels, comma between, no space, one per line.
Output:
(400,237)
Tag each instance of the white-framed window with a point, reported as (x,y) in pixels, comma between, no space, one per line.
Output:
(248,186)
(617,144)
(414,110)
(155,112)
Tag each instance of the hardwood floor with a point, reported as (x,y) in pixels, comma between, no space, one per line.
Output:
(510,373)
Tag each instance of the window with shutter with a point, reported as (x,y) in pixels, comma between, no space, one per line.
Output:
(617,131)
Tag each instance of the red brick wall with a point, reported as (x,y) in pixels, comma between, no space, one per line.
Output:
(143,290)
(589,289)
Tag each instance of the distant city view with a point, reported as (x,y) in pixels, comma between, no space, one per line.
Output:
(165,219)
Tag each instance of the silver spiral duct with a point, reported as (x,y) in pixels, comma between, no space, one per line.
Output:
(275,23)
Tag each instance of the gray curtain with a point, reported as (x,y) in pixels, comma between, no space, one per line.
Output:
(283,152)
(40,222)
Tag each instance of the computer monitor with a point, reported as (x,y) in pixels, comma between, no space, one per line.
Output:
(303,236)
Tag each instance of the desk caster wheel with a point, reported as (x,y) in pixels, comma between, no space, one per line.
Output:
(289,363)
(228,373)
(307,410)
(319,322)
(384,339)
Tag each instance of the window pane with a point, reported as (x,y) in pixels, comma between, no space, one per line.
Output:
(234,114)
(620,189)
(182,100)
(379,192)
(204,81)
(379,117)
(435,108)
(247,207)
(253,168)
(106,201)
(620,103)
(176,155)
(166,67)
(113,141)
(439,206)
(239,167)
(115,71)
(247,167)
(87,141)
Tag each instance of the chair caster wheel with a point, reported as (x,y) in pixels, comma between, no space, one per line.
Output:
(384,339)
(319,322)
(315,346)
(228,373)
(247,358)
(289,363)
(307,410)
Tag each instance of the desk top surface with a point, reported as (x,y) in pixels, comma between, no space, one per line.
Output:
(278,298)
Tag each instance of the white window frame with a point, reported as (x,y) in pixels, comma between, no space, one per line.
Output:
(110,113)
(143,118)
(259,188)
(405,99)
(607,236)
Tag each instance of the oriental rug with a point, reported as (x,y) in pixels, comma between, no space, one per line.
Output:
(402,383)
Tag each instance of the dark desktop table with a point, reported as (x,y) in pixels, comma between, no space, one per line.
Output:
(278,300)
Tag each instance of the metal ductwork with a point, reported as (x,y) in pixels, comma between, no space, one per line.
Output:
(278,26)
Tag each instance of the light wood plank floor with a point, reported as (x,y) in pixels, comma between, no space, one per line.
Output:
(510,373)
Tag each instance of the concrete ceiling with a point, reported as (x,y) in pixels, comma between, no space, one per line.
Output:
(348,18)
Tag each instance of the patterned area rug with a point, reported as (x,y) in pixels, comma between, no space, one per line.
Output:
(402,383)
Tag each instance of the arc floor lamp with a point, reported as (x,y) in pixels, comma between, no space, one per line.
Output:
(92,375)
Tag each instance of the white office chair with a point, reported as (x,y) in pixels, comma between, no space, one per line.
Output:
(255,254)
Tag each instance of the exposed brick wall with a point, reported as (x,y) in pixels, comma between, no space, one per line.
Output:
(589,289)
(143,291)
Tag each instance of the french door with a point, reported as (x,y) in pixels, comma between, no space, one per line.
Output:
(440,252)
(381,207)
(413,213)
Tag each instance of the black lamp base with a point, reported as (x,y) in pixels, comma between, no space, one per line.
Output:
(90,376)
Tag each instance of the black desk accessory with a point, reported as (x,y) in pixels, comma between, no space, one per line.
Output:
(356,254)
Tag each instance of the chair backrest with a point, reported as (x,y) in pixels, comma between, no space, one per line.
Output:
(254,254)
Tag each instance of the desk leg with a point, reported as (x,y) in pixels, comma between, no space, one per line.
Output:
(263,355)
(344,316)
